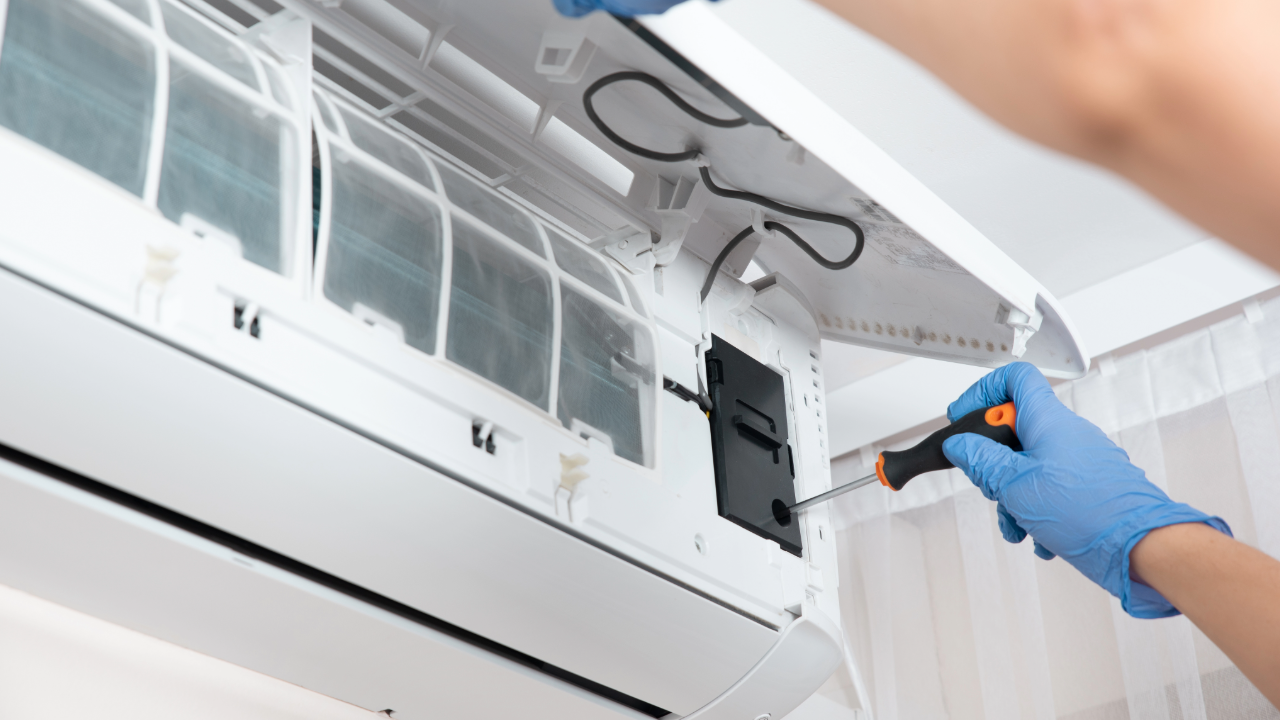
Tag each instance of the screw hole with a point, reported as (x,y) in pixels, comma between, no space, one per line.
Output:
(781,513)
(700,544)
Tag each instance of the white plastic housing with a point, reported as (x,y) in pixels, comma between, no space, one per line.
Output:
(441,383)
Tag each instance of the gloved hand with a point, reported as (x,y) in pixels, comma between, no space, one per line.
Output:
(1071,488)
(577,8)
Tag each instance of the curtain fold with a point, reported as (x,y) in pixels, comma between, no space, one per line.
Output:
(961,624)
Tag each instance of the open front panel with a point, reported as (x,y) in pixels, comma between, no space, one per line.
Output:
(926,282)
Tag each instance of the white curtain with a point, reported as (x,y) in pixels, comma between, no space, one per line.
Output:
(946,620)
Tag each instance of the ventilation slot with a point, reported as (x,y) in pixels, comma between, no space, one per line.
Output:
(362,93)
(557,209)
(467,136)
(563,202)
(361,64)
(460,138)
(448,144)
(356,73)
(391,23)
(235,15)
(270,7)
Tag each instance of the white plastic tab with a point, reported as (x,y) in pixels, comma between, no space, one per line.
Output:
(782,300)
(679,203)
(564,54)
(632,247)
(1023,325)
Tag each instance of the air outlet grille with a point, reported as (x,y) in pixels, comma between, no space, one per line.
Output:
(352,58)
(448,144)
(354,88)
(356,65)
(236,15)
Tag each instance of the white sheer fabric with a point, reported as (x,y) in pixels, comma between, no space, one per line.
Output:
(946,620)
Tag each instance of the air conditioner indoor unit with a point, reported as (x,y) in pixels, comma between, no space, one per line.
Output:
(344,343)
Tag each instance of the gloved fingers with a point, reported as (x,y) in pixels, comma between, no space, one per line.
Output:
(1023,384)
(575,8)
(1043,552)
(992,389)
(626,8)
(1037,405)
(986,462)
(1009,527)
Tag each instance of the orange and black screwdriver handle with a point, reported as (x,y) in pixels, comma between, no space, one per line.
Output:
(896,469)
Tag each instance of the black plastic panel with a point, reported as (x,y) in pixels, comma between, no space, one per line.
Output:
(749,434)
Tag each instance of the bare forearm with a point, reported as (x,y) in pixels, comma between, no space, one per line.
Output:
(1180,96)
(1228,589)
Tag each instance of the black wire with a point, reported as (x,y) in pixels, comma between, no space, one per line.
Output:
(778,227)
(692,153)
(668,93)
(808,249)
(715,266)
(795,212)
(702,400)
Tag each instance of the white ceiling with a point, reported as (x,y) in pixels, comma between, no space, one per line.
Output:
(1069,224)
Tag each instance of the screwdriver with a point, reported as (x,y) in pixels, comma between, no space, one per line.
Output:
(895,469)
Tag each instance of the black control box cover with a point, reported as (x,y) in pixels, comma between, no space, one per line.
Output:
(749,442)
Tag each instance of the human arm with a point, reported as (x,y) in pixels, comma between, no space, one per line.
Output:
(1228,589)
(1182,97)
(1078,496)
(1072,489)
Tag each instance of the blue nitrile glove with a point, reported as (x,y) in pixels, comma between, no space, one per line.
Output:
(627,8)
(1071,488)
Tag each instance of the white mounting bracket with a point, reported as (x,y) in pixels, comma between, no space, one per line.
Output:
(757,223)
(564,54)
(1024,327)
(679,203)
(632,247)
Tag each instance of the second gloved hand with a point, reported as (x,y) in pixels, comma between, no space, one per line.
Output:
(1071,488)
(627,8)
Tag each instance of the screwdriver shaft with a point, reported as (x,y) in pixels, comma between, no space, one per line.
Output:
(816,499)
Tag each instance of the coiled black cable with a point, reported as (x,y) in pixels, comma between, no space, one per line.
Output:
(773,227)
(668,93)
(588,104)
(775,206)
